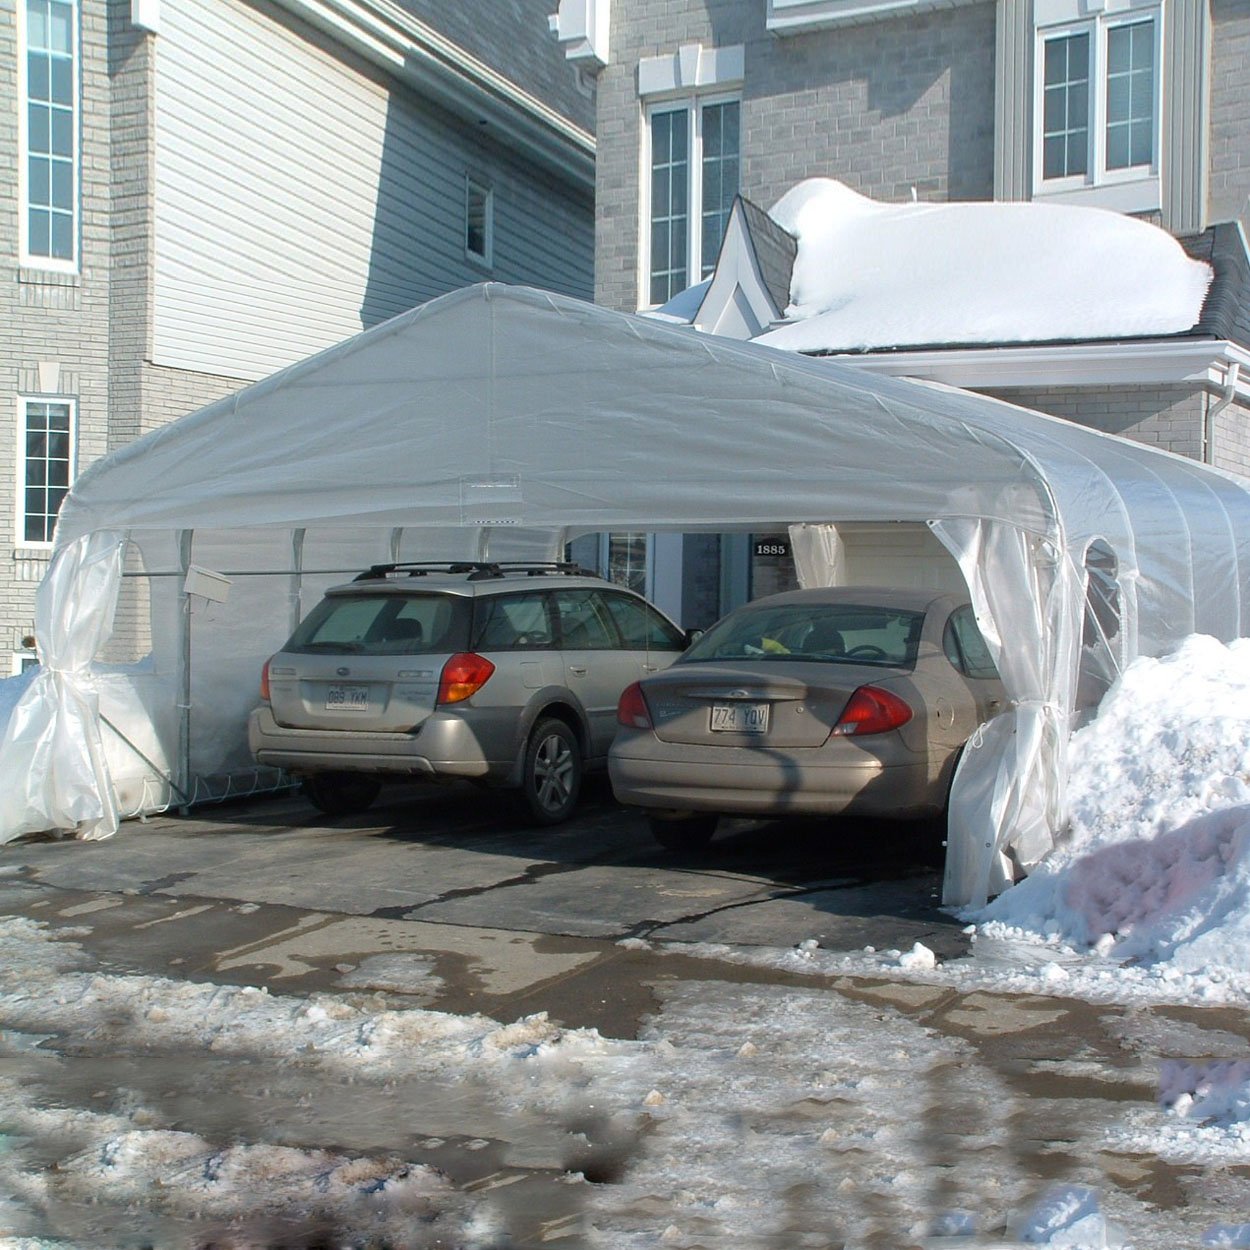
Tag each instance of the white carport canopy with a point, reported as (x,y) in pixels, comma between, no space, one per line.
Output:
(504,421)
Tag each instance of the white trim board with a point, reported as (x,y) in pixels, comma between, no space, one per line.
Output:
(1149,362)
(382,32)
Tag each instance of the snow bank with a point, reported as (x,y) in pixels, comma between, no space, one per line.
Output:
(1155,870)
(871,275)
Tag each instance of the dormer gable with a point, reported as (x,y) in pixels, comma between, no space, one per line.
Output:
(750,287)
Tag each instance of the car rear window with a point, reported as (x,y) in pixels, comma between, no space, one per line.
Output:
(827,633)
(364,624)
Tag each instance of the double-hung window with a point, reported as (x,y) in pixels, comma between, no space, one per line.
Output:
(1098,101)
(693,177)
(45,466)
(48,82)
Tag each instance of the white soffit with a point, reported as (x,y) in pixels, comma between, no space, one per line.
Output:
(797,17)
(692,67)
(415,53)
(146,14)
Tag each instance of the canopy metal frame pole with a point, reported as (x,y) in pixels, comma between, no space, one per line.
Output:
(185,538)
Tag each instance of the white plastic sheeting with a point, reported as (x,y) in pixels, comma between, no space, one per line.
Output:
(503,421)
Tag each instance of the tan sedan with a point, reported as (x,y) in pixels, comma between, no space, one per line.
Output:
(844,700)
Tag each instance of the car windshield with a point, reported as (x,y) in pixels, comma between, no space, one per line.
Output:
(824,632)
(364,624)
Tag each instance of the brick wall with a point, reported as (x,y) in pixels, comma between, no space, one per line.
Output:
(57,320)
(885,107)
(1231,437)
(132,55)
(1229,194)
(1170,417)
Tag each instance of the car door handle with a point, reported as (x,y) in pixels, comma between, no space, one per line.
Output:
(650,668)
(579,669)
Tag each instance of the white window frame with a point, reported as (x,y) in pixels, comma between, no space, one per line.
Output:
(1132,189)
(25,258)
(605,559)
(693,105)
(19,511)
(479,186)
(18,662)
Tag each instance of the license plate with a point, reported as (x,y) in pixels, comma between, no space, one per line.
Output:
(347,699)
(740,718)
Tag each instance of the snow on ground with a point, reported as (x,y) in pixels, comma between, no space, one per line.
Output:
(870,275)
(752,1116)
(747,1115)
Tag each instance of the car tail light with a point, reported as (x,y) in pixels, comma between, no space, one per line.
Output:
(264,681)
(463,675)
(632,710)
(871,710)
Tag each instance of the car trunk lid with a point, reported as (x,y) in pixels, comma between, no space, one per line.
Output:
(361,692)
(731,705)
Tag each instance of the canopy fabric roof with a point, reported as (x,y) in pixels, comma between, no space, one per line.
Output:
(498,410)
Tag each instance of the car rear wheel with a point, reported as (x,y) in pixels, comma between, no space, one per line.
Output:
(687,833)
(552,776)
(342,794)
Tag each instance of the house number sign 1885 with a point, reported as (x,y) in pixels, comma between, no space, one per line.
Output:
(772,547)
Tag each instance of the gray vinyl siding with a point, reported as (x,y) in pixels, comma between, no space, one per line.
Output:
(323,200)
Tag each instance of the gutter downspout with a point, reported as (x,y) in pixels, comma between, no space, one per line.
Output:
(1231,377)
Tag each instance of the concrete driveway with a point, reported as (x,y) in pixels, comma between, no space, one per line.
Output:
(512,918)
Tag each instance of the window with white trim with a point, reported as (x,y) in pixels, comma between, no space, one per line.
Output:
(22,661)
(479,221)
(45,467)
(1098,102)
(693,158)
(48,95)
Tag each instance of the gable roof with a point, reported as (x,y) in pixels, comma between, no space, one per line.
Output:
(775,251)
(984,275)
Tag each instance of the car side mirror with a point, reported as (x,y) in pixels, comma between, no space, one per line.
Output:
(693,636)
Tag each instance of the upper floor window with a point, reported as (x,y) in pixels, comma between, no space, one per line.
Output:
(49,134)
(694,176)
(45,466)
(479,221)
(1098,115)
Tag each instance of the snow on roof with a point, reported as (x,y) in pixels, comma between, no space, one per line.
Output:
(870,276)
(684,306)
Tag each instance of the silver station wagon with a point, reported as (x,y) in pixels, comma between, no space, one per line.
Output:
(503,674)
(812,702)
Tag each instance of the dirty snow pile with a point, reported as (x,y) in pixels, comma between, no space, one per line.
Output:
(870,275)
(745,1115)
(1155,871)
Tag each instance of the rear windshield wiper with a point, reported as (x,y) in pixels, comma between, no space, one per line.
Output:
(340,648)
